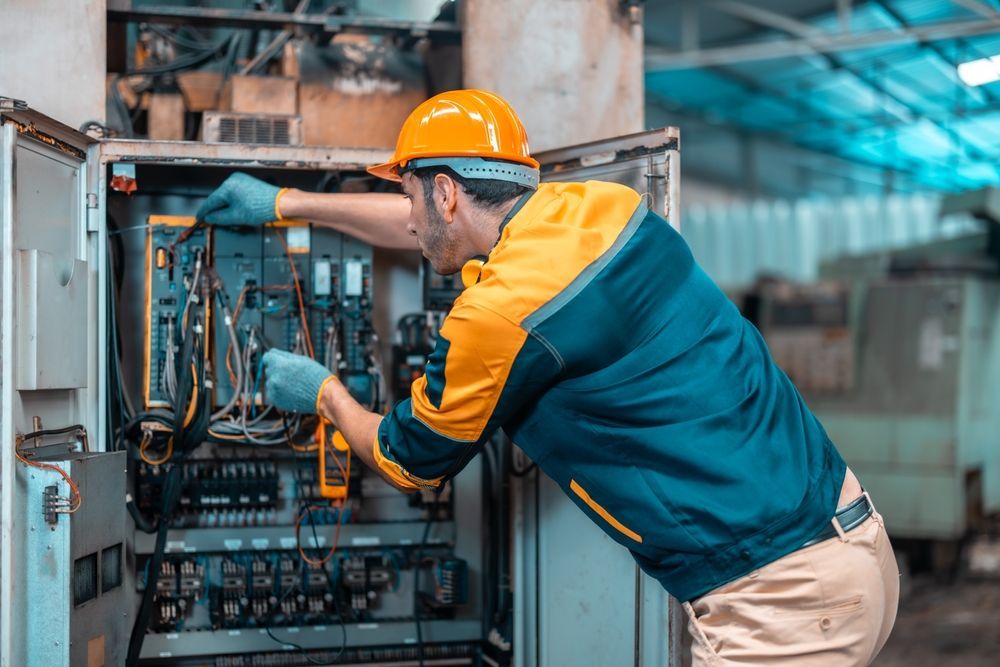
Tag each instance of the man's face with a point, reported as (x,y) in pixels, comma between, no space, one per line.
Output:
(436,238)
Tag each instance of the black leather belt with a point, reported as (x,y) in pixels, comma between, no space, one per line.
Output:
(849,517)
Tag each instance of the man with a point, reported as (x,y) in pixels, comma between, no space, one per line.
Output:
(595,341)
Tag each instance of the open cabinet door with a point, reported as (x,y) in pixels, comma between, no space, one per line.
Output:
(63,545)
(580,597)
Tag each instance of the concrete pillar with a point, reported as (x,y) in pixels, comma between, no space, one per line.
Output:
(571,68)
(53,56)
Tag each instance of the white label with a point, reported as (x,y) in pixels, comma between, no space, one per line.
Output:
(930,351)
(189,550)
(287,542)
(319,628)
(260,543)
(321,278)
(291,631)
(233,545)
(166,654)
(173,635)
(175,545)
(316,541)
(410,640)
(367,626)
(363,541)
(353,285)
(298,239)
(234,633)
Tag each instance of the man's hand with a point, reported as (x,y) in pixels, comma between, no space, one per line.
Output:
(294,382)
(241,200)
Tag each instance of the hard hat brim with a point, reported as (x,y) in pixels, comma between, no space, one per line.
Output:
(386,171)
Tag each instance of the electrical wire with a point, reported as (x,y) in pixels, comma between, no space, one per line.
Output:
(333,590)
(417,606)
(234,344)
(75,500)
(298,292)
(183,62)
(307,509)
(147,438)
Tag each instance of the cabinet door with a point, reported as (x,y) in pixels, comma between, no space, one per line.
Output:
(647,162)
(580,598)
(48,344)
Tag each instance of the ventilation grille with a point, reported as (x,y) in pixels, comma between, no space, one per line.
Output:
(238,128)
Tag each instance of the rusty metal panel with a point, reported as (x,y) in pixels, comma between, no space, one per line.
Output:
(240,156)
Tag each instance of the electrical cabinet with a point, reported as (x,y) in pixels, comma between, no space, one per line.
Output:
(251,564)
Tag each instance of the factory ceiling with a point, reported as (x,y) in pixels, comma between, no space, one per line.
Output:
(872,83)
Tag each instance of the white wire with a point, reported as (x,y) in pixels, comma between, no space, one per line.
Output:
(169,363)
(234,344)
(331,353)
(193,292)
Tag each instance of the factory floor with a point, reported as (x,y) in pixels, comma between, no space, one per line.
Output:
(945,625)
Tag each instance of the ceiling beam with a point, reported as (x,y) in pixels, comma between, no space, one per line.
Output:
(661,59)
(765,17)
(946,66)
(980,8)
(839,165)
(813,38)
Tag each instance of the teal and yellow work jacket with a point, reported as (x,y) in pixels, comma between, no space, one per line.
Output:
(605,352)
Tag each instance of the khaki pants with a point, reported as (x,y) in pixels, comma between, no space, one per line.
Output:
(833,603)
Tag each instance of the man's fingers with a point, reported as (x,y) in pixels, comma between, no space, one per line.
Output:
(215,202)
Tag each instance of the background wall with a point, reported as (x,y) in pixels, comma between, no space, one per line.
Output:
(571,68)
(46,41)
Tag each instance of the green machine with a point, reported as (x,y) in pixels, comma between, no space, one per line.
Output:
(898,354)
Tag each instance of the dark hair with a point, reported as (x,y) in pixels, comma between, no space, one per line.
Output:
(487,193)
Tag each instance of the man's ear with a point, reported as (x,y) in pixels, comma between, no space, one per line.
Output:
(446,196)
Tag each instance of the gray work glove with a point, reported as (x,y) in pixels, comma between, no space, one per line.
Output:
(241,200)
(293,381)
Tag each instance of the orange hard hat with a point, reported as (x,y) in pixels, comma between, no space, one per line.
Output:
(474,132)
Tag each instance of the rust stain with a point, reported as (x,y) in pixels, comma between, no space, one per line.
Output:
(31,131)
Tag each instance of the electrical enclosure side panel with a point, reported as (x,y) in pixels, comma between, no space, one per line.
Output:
(629,626)
(51,291)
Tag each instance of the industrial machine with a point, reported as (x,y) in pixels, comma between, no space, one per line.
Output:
(898,354)
(167,500)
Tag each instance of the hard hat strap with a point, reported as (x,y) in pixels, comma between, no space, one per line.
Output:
(479,168)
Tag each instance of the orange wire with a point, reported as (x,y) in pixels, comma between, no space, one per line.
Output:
(168,452)
(336,535)
(45,466)
(298,292)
